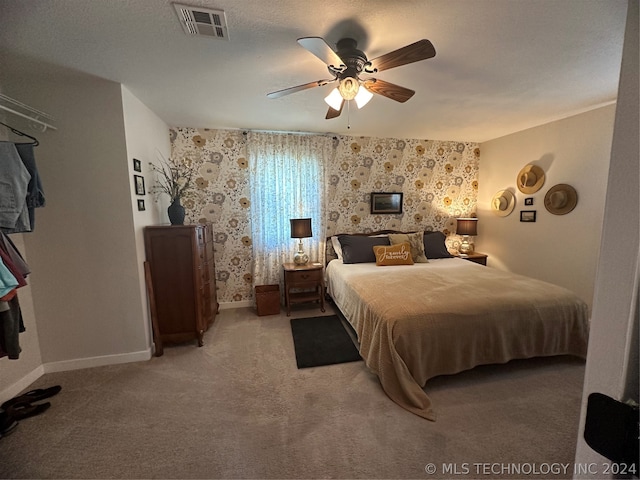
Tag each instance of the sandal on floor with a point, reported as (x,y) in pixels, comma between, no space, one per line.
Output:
(7,424)
(32,396)
(22,410)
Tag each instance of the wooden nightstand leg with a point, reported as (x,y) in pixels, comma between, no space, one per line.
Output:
(287,301)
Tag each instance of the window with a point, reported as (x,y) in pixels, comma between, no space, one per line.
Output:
(287,181)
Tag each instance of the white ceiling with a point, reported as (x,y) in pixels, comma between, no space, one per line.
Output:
(501,65)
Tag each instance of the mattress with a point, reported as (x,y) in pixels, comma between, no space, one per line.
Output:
(415,322)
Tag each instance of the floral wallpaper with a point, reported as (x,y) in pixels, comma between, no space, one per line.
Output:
(221,196)
(439,181)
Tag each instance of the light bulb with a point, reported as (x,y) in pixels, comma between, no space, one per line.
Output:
(334,99)
(363,97)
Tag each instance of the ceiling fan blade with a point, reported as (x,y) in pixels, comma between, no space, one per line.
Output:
(299,88)
(389,90)
(322,50)
(333,113)
(420,50)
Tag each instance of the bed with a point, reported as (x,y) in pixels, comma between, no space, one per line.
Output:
(446,315)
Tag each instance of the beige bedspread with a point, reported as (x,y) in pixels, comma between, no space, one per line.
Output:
(415,322)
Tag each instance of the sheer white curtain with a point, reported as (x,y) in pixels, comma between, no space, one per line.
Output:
(286,181)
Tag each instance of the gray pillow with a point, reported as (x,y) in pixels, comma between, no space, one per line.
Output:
(359,249)
(434,246)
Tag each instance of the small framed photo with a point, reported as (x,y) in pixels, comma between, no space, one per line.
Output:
(528,201)
(386,202)
(527,215)
(138,180)
(141,205)
(137,165)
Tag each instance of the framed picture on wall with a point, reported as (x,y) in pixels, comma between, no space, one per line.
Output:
(386,202)
(138,181)
(528,201)
(137,165)
(141,207)
(527,215)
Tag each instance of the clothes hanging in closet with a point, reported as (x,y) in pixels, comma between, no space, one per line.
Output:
(20,187)
(13,274)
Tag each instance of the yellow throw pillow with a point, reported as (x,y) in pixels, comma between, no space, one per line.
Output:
(399,254)
(415,240)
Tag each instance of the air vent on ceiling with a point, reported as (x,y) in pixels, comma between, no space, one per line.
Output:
(202,21)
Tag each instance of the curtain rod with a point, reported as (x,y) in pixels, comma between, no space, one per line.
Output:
(290,132)
(29,109)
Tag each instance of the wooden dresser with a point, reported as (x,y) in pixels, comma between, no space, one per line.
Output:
(181,282)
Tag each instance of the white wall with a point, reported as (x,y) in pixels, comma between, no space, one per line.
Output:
(561,249)
(147,137)
(85,283)
(612,361)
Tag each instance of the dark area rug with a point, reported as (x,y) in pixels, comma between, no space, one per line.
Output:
(322,341)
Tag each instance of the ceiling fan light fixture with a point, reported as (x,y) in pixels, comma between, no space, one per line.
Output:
(334,99)
(363,97)
(346,63)
(349,87)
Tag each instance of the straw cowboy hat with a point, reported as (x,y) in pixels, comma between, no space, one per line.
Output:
(503,203)
(561,199)
(530,179)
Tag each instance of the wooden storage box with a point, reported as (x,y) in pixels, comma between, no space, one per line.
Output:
(268,299)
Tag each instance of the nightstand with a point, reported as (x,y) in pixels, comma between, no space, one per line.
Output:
(303,283)
(476,257)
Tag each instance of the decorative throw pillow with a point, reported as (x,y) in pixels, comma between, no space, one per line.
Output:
(399,254)
(435,246)
(336,246)
(359,248)
(415,240)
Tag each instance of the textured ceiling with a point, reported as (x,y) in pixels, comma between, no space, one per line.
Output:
(501,65)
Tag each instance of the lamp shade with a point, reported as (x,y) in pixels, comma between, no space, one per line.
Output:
(467,226)
(334,99)
(363,97)
(301,228)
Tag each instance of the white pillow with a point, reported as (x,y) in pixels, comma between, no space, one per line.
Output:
(336,246)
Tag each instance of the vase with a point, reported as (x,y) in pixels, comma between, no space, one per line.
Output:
(176,212)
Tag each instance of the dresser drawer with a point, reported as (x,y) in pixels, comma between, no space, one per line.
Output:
(304,276)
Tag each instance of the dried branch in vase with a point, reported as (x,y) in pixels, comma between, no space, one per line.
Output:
(173,177)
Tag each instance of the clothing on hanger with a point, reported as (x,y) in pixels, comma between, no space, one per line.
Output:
(11,325)
(7,245)
(34,192)
(13,272)
(14,182)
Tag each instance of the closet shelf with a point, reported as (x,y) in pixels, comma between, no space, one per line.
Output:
(27,112)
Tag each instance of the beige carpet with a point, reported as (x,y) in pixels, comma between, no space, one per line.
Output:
(239,408)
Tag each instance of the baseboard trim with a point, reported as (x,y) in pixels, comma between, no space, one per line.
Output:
(101,361)
(232,305)
(21,384)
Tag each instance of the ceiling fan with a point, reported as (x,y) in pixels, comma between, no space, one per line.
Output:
(346,65)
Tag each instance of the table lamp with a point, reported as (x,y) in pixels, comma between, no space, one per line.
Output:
(300,228)
(466,227)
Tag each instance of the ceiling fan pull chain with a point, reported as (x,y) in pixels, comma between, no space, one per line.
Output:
(348,114)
